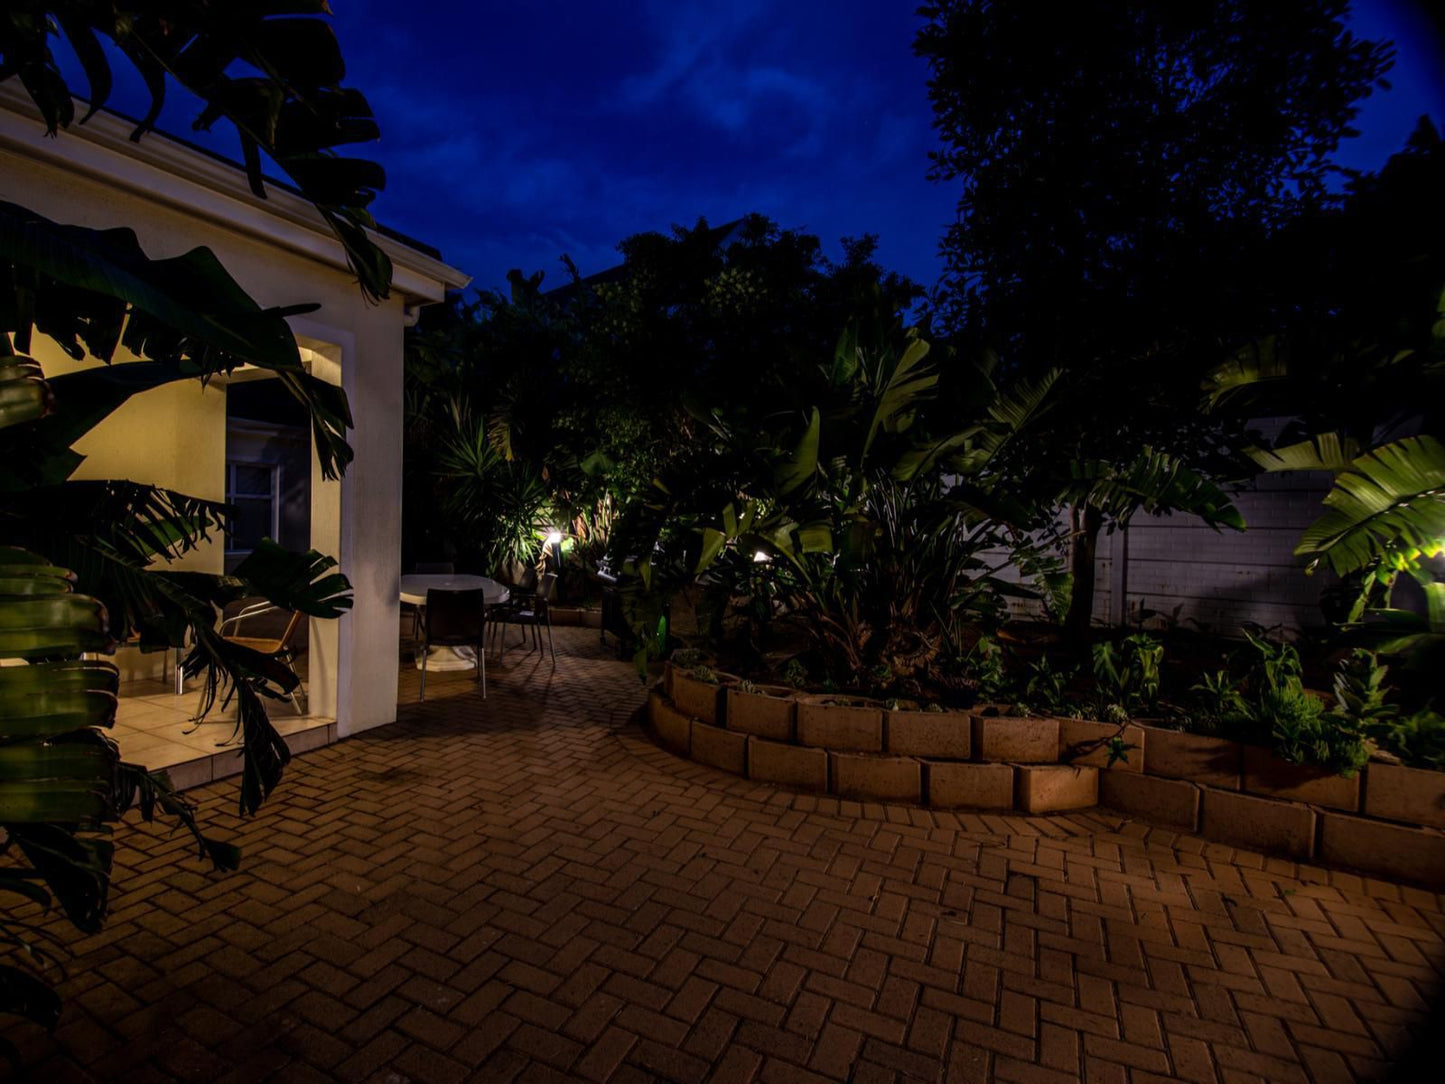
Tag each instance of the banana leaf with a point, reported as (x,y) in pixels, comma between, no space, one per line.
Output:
(1388,504)
(1324,451)
(24,394)
(93,291)
(292,107)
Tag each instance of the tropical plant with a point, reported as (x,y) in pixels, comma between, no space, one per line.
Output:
(1275,708)
(1127,675)
(93,292)
(590,383)
(873,525)
(794,673)
(1360,692)
(273,70)
(1215,699)
(60,780)
(1418,739)
(1046,689)
(497,511)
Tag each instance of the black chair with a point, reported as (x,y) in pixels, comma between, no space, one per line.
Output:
(434,568)
(455,619)
(531,610)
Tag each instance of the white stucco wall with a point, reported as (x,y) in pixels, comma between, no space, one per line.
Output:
(175,200)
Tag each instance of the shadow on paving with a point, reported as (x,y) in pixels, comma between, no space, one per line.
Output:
(526,888)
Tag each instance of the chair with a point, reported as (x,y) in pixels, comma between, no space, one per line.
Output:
(424,568)
(278,647)
(531,610)
(455,619)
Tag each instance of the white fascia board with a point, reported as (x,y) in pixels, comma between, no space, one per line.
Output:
(165,171)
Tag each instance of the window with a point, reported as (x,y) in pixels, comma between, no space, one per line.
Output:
(253,490)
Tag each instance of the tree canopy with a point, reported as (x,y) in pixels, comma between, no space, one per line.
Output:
(1121,167)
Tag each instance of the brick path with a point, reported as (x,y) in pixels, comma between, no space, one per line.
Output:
(528,889)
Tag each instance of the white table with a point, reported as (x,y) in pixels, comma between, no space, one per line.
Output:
(414,587)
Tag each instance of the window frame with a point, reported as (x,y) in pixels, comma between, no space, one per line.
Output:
(232,497)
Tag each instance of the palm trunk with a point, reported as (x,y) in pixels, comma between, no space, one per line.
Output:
(1084,523)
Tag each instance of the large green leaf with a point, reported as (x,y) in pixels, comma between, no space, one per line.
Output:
(1152,482)
(1388,505)
(900,385)
(800,467)
(49,698)
(189,302)
(93,291)
(24,395)
(296,581)
(1324,451)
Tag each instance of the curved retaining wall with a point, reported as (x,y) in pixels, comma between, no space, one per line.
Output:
(1388,820)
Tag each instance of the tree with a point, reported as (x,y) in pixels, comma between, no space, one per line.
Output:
(588,385)
(1119,165)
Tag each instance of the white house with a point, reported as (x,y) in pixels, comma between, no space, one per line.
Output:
(176,198)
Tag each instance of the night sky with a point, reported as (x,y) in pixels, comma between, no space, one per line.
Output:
(513,133)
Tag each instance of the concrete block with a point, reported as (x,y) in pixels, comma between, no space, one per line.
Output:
(1413,795)
(1019,740)
(957,785)
(1049,788)
(1261,824)
(672,727)
(1195,757)
(769,713)
(719,748)
(1085,744)
(877,778)
(829,722)
(1265,773)
(790,765)
(1394,851)
(1170,802)
(946,735)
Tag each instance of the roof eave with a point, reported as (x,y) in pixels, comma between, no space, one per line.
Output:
(216,190)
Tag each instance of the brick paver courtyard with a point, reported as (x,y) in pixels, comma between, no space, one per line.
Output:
(526,888)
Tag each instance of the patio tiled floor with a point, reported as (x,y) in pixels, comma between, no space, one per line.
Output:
(526,888)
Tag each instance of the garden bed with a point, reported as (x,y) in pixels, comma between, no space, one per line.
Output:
(1387,820)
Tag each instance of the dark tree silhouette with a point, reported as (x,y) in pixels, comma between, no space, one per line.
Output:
(1119,163)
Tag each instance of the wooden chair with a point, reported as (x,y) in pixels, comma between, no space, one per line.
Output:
(455,619)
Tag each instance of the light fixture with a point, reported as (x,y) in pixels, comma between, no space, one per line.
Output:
(761,558)
(554,538)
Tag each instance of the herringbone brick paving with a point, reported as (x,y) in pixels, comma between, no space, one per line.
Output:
(526,888)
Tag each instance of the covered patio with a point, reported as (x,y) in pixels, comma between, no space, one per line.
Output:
(526,887)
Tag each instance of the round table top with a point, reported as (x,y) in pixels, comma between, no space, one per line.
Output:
(415,585)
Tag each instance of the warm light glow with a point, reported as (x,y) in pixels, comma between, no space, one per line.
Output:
(760,558)
(554,538)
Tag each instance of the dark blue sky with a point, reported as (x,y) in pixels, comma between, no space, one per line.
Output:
(512,133)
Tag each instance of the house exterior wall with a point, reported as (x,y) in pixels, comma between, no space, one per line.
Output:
(1177,569)
(1221,580)
(176,436)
